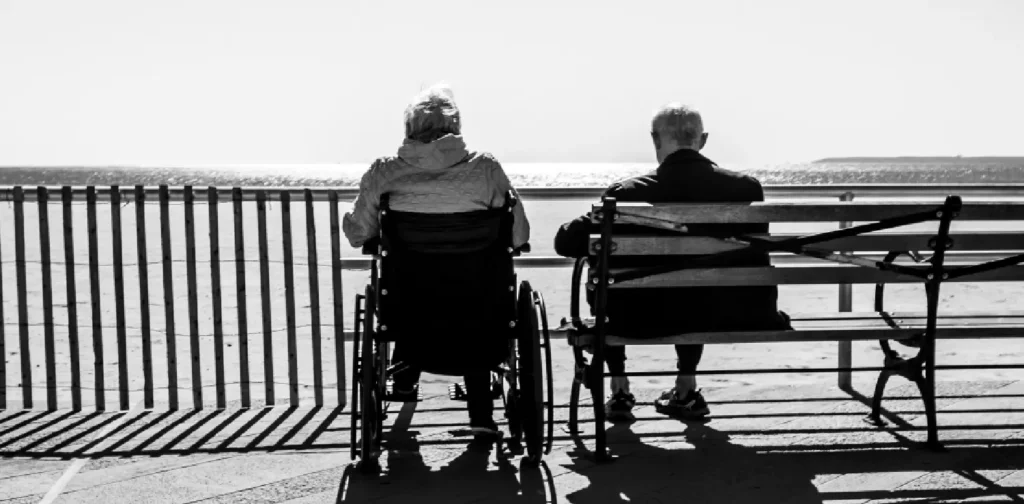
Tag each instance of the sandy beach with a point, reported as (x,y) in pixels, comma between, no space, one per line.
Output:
(553,283)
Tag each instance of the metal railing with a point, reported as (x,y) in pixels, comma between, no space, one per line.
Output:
(239,202)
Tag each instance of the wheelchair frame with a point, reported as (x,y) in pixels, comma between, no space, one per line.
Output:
(520,375)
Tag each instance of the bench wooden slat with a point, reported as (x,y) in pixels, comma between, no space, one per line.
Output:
(626,245)
(797,275)
(853,327)
(760,212)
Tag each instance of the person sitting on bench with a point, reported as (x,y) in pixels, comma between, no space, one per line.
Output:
(683,176)
(434,173)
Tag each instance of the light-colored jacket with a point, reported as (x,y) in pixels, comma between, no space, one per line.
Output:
(436,177)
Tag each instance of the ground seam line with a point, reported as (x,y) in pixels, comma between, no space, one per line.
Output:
(78,463)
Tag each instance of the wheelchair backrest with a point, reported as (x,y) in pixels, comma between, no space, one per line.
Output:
(447,277)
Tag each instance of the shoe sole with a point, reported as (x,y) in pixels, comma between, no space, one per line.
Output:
(681,412)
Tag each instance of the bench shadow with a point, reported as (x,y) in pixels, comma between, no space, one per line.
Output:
(477,473)
(710,470)
(702,464)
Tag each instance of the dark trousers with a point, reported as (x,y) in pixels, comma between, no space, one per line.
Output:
(478,388)
(688,355)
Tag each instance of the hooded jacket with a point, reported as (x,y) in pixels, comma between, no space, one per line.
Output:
(436,177)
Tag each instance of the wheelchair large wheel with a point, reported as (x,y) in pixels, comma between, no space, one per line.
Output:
(541,310)
(372,389)
(534,374)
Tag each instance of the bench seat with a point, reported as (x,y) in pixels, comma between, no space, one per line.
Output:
(833,326)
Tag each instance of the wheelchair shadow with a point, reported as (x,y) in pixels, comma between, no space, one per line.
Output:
(477,473)
(711,470)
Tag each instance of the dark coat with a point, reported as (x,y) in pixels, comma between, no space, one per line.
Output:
(685,176)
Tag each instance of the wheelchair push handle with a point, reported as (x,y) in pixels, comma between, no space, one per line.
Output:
(522,249)
(371,246)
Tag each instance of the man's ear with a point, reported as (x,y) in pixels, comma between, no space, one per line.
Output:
(657,140)
(703,140)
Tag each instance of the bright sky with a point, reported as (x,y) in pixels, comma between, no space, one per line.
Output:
(323,81)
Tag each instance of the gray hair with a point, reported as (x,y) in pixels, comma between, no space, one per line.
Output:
(679,122)
(432,114)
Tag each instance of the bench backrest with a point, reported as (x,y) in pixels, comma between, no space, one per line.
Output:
(967,245)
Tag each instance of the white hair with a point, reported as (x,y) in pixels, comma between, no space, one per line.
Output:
(679,122)
(432,114)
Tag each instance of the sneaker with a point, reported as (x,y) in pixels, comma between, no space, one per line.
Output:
(396,394)
(620,407)
(691,406)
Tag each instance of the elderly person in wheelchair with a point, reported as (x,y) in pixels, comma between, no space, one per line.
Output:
(443,223)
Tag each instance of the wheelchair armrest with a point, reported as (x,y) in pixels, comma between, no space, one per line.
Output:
(370,247)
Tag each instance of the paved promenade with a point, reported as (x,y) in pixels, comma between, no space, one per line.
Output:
(803,443)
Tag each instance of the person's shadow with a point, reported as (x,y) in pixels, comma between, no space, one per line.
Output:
(713,470)
(478,473)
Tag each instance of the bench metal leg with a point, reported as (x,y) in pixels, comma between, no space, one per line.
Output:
(875,417)
(927,385)
(927,388)
(574,402)
(597,393)
(894,365)
(912,369)
(845,378)
(579,379)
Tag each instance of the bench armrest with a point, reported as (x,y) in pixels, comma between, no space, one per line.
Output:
(574,299)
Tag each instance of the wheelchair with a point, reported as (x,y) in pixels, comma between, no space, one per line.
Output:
(443,286)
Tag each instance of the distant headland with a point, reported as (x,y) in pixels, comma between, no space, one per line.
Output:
(923,159)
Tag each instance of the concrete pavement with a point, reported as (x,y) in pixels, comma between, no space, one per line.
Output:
(799,444)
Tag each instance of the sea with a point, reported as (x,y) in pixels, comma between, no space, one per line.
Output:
(899,170)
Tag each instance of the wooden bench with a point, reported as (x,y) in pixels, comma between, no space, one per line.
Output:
(858,254)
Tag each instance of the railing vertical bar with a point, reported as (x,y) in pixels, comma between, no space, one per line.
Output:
(49,345)
(314,300)
(19,261)
(268,335)
(72,298)
(845,378)
(193,307)
(168,281)
(147,343)
(122,335)
(218,328)
(339,327)
(3,337)
(94,299)
(243,324)
(289,298)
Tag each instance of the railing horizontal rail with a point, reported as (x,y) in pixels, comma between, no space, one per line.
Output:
(111,276)
(177,193)
(361,263)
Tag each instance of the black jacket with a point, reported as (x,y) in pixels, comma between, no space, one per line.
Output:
(685,176)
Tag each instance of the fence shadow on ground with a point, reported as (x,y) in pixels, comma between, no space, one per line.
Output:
(680,461)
